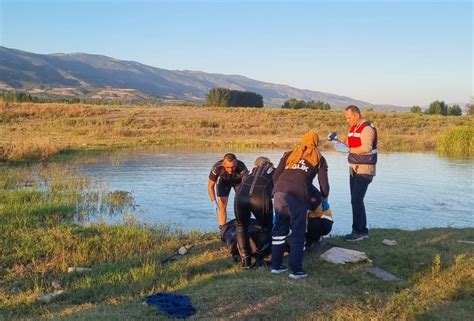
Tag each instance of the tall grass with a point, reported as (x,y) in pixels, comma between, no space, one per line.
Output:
(37,131)
(457,141)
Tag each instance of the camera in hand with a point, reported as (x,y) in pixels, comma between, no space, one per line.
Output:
(332,136)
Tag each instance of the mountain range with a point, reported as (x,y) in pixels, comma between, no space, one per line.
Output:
(90,76)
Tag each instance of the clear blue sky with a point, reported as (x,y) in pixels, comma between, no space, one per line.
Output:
(392,52)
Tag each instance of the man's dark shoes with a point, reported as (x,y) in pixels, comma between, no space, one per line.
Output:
(354,237)
(280,269)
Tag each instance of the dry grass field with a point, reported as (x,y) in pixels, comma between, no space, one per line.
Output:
(38,131)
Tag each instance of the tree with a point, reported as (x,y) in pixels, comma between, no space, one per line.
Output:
(454,110)
(437,108)
(470,109)
(416,109)
(218,97)
(294,103)
(224,97)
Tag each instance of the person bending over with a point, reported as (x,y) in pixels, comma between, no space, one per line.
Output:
(255,197)
(225,174)
(293,179)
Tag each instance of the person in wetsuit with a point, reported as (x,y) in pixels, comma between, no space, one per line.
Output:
(225,174)
(255,197)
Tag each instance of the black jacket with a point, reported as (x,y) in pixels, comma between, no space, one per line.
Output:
(297,181)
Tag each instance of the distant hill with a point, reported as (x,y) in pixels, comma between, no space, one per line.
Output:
(100,77)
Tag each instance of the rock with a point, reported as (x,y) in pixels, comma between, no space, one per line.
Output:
(46,298)
(382,274)
(339,255)
(182,250)
(78,269)
(56,285)
(468,242)
(389,242)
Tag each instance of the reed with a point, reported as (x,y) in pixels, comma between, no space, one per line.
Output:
(457,141)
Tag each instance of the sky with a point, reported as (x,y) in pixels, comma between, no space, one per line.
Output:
(384,52)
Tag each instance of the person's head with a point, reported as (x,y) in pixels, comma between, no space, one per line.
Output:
(310,139)
(229,162)
(307,149)
(353,115)
(262,160)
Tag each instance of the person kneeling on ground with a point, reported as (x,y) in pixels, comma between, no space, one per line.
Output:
(255,197)
(257,239)
(320,221)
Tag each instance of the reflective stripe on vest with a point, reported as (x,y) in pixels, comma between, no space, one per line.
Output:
(354,141)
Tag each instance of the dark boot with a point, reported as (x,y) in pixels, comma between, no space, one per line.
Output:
(246,263)
(242,237)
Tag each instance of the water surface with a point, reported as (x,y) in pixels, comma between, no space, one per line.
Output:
(410,191)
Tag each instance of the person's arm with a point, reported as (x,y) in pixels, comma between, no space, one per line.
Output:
(367,137)
(280,168)
(211,190)
(323,178)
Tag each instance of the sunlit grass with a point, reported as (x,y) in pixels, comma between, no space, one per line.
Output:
(39,241)
(458,141)
(37,131)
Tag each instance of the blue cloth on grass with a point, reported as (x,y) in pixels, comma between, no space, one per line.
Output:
(172,305)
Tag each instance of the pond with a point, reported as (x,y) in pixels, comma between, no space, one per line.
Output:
(410,191)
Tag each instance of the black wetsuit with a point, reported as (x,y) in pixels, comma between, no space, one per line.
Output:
(255,197)
(225,181)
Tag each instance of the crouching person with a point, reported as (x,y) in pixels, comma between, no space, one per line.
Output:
(320,221)
(255,197)
(258,241)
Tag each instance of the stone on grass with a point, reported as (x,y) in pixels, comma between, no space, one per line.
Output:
(339,255)
(389,242)
(78,269)
(46,298)
(382,274)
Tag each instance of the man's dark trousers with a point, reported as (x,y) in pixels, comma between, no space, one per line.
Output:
(359,185)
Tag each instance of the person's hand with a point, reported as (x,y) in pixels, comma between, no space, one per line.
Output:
(325,204)
(332,137)
(340,147)
(215,208)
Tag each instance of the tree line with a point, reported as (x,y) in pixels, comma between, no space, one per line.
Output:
(311,104)
(441,108)
(224,97)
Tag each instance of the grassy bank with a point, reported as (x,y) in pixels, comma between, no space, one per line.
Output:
(457,141)
(37,131)
(38,243)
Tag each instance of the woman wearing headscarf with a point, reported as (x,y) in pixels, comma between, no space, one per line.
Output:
(292,180)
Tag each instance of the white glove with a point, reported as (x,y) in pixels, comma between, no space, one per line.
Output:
(215,208)
(340,147)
